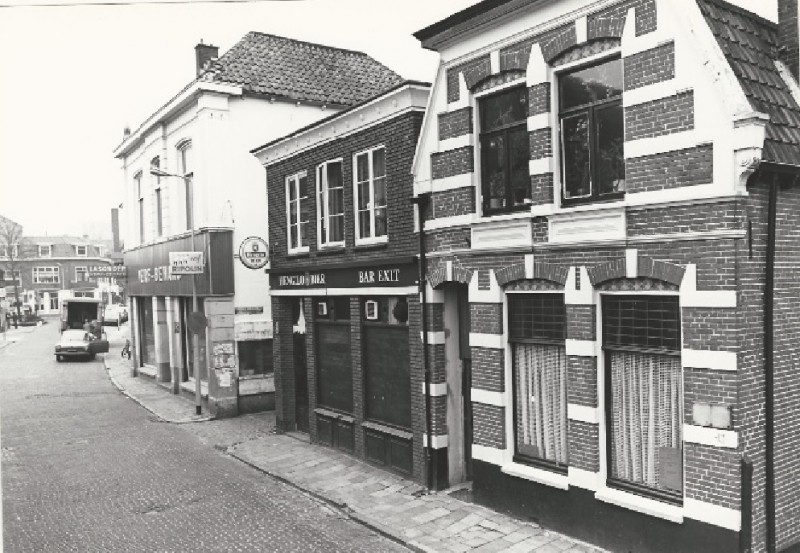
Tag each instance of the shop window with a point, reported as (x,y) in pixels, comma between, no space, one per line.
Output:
(644,401)
(592,132)
(46,275)
(505,151)
(334,358)
(255,357)
(387,383)
(330,204)
(370,196)
(147,337)
(537,332)
(297,212)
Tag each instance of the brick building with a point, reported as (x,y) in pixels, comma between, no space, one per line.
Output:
(190,184)
(611,189)
(344,280)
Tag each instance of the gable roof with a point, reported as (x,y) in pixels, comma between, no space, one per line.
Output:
(750,44)
(303,71)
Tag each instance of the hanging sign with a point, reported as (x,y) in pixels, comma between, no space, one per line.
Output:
(254,252)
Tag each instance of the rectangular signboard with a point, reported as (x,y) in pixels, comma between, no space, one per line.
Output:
(186,263)
(106,271)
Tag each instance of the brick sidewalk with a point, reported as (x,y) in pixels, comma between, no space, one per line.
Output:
(388,503)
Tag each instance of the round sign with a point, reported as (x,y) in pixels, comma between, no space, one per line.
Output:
(197,322)
(254,252)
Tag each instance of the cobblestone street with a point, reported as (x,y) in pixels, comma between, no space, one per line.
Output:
(86,469)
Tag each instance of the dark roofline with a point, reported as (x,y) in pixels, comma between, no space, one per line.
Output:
(339,113)
(457,18)
(317,44)
(744,11)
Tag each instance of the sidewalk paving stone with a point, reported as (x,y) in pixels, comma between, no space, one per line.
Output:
(391,504)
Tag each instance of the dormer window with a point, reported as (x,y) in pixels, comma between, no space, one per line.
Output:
(592,133)
(505,180)
(45,250)
(80,251)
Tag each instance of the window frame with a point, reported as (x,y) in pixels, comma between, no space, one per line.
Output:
(78,250)
(52,269)
(372,238)
(666,496)
(538,462)
(49,250)
(137,183)
(187,172)
(155,163)
(590,110)
(85,271)
(505,131)
(323,213)
(294,180)
(14,251)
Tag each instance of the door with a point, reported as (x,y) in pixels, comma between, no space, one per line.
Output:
(300,383)
(459,383)
(465,353)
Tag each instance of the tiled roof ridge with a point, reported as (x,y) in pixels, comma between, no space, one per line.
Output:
(313,44)
(744,12)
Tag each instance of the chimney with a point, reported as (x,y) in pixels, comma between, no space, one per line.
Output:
(203,54)
(115,228)
(788,36)
(126,132)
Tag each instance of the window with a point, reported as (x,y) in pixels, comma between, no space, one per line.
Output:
(45,250)
(592,132)
(644,404)
(255,357)
(330,204)
(137,180)
(370,195)
(155,163)
(80,251)
(81,274)
(13,250)
(186,169)
(334,354)
(297,215)
(505,178)
(46,275)
(537,332)
(100,250)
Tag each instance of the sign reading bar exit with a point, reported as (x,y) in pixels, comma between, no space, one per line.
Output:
(186,263)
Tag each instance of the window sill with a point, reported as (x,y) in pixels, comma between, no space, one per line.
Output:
(331,250)
(540,476)
(298,251)
(372,245)
(502,217)
(640,504)
(334,415)
(385,429)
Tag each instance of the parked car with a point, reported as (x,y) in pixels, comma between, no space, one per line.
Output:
(115,314)
(79,343)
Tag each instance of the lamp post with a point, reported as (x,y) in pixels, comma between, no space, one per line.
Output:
(195,349)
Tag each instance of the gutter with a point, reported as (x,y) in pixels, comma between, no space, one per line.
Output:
(421,202)
(769,354)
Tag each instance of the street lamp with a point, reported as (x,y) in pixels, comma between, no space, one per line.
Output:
(195,349)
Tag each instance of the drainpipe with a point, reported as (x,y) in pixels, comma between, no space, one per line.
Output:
(769,384)
(421,202)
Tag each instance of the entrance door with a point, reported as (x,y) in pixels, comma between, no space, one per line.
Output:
(459,383)
(300,383)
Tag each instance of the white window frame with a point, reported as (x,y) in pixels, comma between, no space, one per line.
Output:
(50,270)
(137,183)
(371,239)
(322,203)
(49,250)
(294,180)
(14,250)
(184,150)
(158,198)
(85,271)
(78,250)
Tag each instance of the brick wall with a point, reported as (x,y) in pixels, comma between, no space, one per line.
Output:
(581,322)
(488,369)
(540,143)
(489,428)
(539,99)
(651,66)
(452,162)
(486,318)
(582,380)
(451,203)
(702,385)
(583,440)
(712,475)
(283,360)
(687,167)
(399,136)
(660,117)
(455,123)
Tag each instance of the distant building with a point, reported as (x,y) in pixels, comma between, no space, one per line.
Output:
(263,88)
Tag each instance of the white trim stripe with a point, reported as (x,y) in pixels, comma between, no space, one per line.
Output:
(541,476)
(456,142)
(490,341)
(712,514)
(640,504)
(662,144)
(450,222)
(437,389)
(654,91)
(582,348)
(631,263)
(540,166)
(488,454)
(488,397)
(582,413)
(713,437)
(463,180)
(439,441)
(539,121)
(434,337)
(691,297)
(583,478)
(713,360)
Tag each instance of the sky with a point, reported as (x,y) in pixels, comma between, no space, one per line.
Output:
(73,77)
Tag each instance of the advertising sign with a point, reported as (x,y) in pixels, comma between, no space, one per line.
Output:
(387,274)
(107,271)
(186,263)
(254,252)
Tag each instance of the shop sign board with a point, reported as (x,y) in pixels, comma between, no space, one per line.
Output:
(254,252)
(107,271)
(369,276)
(186,263)
(249,310)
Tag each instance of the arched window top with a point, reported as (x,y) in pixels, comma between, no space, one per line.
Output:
(184,149)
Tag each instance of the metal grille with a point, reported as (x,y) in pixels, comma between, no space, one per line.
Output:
(641,322)
(537,317)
